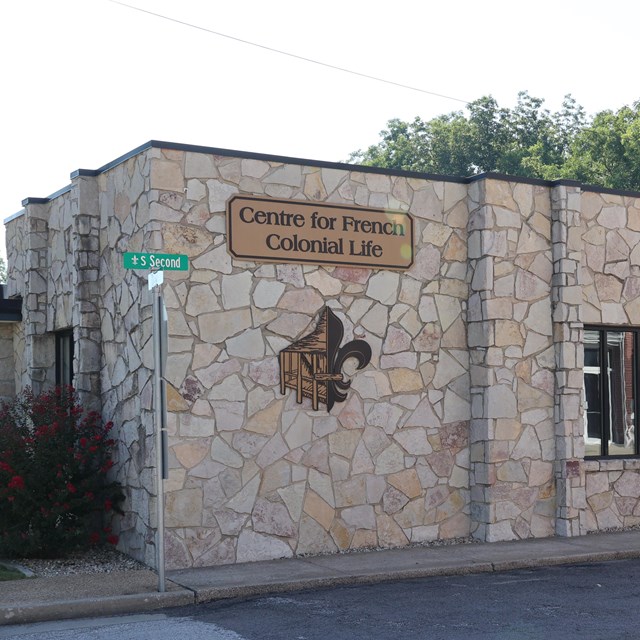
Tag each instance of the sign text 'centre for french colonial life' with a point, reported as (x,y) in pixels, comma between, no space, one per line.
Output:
(318,233)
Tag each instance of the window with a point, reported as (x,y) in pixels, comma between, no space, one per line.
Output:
(610,390)
(64,357)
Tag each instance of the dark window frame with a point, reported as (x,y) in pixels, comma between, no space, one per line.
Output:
(65,351)
(606,408)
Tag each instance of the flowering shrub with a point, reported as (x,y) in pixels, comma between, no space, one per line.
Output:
(54,491)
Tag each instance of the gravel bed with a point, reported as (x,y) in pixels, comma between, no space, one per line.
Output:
(96,560)
(108,559)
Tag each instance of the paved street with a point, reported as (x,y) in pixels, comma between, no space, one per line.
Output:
(571,602)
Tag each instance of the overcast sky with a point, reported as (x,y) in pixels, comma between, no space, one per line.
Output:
(85,81)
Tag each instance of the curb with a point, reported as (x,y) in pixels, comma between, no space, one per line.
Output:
(210,594)
(87,607)
(189,590)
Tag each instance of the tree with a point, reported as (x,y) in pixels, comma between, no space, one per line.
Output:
(527,141)
(607,153)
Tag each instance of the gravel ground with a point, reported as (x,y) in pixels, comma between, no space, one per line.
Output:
(107,559)
(97,560)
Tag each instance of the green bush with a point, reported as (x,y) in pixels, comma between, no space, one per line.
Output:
(54,490)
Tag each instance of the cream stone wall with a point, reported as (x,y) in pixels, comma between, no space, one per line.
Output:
(15,232)
(16,269)
(512,361)
(127,357)
(467,421)
(43,294)
(60,291)
(611,259)
(611,295)
(255,475)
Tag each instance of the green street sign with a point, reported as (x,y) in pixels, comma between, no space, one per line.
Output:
(161,261)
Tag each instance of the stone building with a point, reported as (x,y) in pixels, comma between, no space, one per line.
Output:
(498,400)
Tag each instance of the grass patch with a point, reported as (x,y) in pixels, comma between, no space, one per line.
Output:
(7,573)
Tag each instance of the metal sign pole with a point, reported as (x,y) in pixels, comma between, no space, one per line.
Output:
(157,395)
(157,263)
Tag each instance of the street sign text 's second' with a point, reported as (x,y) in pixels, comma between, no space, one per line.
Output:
(163,261)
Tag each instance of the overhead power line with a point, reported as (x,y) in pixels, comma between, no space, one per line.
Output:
(290,55)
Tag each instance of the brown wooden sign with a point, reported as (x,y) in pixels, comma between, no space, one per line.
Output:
(265,229)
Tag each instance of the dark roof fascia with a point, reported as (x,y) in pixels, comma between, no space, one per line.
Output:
(18,214)
(32,200)
(53,196)
(491,175)
(231,153)
(234,153)
(323,164)
(614,192)
(117,161)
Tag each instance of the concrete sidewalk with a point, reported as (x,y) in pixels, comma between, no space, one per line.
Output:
(56,598)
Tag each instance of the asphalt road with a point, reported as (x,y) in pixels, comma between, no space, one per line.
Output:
(586,602)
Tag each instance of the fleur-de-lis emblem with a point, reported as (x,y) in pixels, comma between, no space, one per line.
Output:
(312,366)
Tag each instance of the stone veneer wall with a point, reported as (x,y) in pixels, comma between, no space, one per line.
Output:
(610,232)
(467,421)
(52,248)
(512,361)
(16,269)
(126,329)
(45,298)
(15,231)
(256,476)
(61,269)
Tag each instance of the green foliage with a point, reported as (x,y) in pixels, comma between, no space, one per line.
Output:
(54,490)
(608,152)
(7,573)
(527,141)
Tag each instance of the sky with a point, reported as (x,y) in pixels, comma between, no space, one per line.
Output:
(86,81)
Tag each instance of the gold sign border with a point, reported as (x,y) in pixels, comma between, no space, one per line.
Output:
(319,261)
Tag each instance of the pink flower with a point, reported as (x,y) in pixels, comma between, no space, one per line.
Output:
(17,482)
(71,488)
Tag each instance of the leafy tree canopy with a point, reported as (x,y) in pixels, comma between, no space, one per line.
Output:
(527,140)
